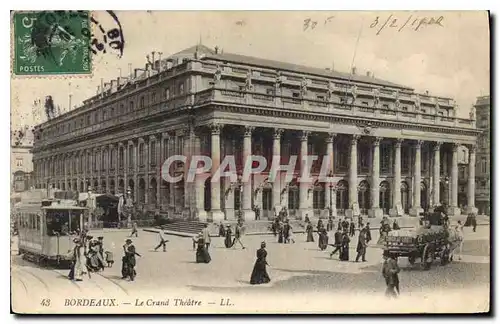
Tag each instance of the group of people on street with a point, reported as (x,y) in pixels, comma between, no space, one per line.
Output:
(227,233)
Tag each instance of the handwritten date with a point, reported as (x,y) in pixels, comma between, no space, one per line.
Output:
(415,23)
(311,24)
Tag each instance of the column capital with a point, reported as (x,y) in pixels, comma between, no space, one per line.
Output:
(437,145)
(215,128)
(472,148)
(277,132)
(377,140)
(355,138)
(248,130)
(418,144)
(304,135)
(399,142)
(330,137)
(455,146)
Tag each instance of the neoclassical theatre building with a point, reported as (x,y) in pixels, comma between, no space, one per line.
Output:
(393,151)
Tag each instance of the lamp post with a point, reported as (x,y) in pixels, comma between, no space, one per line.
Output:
(89,205)
(330,209)
(129,204)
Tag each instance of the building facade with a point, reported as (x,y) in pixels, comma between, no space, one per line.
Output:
(21,160)
(483,166)
(392,151)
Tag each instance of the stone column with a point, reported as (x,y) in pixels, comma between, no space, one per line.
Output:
(397,209)
(329,172)
(215,212)
(454,210)
(277,180)
(117,166)
(471,181)
(159,145)
(436,172)
(417,178)
(188,194)
(171,149)
(136,171)
(248,213)
(353,178)
(375,211)
(304,209)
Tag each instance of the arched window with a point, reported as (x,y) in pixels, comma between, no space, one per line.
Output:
(385,197)
(319,196)
(364,197)
(342,197)
(405,197)
(293,197)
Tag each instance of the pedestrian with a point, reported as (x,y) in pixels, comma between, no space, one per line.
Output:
(352,229)
(259,272)
(319,225)
(163,241)
(228,241)
(206,236)
(238,234)
(390,272)
(339,225)
(360,222)
(361,248)
(460,233)
(280,232)
(257,212)
(222,231)
(309,231)
(395,225)
(345,225)
(129,260)
(368,233)
(306,219)
(77,265)
(202,255)
(337,242)
(275,226)
(344,248)
(329,225)
(291,237)
(323,238)
(134,230)
(286,232)
(474,222)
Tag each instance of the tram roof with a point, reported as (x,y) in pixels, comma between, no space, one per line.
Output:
(64,207)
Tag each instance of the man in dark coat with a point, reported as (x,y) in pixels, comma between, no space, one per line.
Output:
(337,243)
(352,229)
(344,250)
(345,225)
(361,248)
(368,233)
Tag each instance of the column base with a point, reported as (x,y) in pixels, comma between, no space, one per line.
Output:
(350,213)
(302,213)
(454,211)
(375,212)
(217,216)
(201,215)
(276,210)
(248,215)
(415,211)
(393,212)
(325,214)
(230,213)
(472,210)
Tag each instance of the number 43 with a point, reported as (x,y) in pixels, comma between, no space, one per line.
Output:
(45,302)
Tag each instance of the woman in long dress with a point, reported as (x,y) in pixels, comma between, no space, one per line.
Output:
(323,239)
(309,231)
(344,247)
(259,273)
(228,241)
(77,269)
(202,255)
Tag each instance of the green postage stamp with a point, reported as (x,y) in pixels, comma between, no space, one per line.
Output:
(52,43)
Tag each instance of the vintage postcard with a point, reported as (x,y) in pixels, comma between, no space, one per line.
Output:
(210,162)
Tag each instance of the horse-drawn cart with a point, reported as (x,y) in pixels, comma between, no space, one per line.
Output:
(426,243)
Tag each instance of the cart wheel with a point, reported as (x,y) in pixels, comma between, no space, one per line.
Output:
(411,259)
(427,256)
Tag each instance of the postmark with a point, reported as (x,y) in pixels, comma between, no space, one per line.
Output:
(52,43)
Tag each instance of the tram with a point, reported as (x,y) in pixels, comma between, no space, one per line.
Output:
(46,229)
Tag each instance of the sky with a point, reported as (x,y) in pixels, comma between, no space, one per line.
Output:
(447,58)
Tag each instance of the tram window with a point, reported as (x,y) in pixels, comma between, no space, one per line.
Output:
(37,222)
(75,222)
(57,222)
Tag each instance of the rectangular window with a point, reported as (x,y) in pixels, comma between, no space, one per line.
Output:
(152,156)
(165,148)
(385,106)
(141,102)
(153,97)
(19,162)
(141,154)
(131,105)
(364,103)
(322,98)
(131,157)
(270,92)
(295,94)
(405,159)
